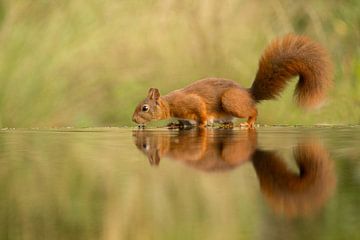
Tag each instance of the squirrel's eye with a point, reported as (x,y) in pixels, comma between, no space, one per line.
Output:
(145,108)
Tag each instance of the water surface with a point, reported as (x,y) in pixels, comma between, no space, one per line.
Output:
(272,183)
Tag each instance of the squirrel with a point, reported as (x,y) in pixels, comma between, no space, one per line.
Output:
(220,100)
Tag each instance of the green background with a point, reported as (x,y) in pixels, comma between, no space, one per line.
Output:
(88,63)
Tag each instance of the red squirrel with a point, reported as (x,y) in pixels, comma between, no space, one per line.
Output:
(220,100)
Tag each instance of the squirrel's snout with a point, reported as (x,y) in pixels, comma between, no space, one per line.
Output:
(138,120)
(134,119)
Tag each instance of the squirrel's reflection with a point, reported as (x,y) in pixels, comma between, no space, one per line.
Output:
(293,193)
(201,148)
(287,192)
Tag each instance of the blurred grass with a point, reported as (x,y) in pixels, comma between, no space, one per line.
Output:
(96,185)
(88,63)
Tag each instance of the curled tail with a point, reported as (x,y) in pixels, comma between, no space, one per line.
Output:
(292,56)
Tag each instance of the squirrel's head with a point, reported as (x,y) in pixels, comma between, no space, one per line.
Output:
(151,108)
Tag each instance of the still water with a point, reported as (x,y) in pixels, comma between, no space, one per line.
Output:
(114,183)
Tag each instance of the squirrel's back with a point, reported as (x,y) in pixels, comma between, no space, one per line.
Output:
(210,86)
(210,90)
(292,56)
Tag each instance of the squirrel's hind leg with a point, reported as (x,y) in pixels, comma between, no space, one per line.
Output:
(239,103)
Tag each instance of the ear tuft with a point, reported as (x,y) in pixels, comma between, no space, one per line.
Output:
(153,94)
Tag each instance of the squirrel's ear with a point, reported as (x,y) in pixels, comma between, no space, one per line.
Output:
(153,94)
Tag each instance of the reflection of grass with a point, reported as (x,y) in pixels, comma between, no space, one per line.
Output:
(96,185)
(85,63)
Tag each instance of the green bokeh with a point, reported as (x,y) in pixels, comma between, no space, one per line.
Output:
(88,63)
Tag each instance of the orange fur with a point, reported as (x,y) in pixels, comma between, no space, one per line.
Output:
(217,99)
(293,56)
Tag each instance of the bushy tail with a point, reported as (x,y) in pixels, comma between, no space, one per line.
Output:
(290,56)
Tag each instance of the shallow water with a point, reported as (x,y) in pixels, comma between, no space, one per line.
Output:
(272,183)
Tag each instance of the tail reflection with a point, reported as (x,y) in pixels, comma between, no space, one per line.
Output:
(287,192)
(295,194)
